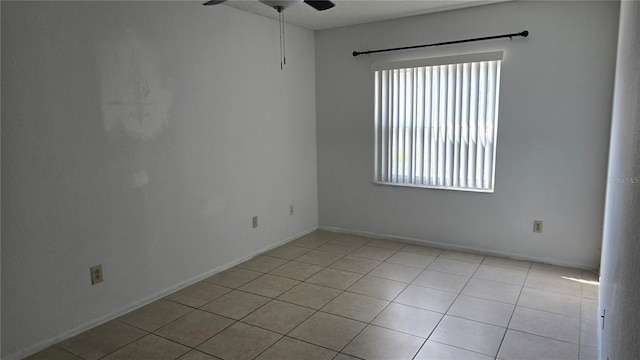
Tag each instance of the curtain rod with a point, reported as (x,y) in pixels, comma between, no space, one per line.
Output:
(524,33)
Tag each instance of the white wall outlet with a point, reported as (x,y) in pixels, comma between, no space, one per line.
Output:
(537,226)
(290,209)
(96,274)
(254,222)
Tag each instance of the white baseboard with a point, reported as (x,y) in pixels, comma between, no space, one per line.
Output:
(449,246)
(138,304)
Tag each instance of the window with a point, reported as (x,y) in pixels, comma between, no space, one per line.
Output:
(436,122)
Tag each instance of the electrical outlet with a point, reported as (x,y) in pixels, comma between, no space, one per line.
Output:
(291,210)
(96,274)
(254,222)
(537,226)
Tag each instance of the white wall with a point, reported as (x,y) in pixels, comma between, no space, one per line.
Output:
(619,290)
(553,131)
(143,137)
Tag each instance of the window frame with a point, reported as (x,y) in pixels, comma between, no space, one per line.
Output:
(435,182)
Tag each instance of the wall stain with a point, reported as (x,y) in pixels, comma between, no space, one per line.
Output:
(135,99)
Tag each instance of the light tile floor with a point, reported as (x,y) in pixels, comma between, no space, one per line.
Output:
(334,296)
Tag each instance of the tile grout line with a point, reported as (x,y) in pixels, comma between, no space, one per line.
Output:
(449,307)
(513,312)
(395,297)
(152,332)
(315,310)
(369,322)
(389,301)
(443,314)
(235,321)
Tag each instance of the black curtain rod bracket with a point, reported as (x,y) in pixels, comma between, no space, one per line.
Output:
(524,33)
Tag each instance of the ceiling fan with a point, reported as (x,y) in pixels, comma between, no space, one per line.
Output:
(280,6)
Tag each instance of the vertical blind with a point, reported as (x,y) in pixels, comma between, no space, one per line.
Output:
(436,121)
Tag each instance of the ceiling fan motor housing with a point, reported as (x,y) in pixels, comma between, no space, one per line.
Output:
(280,4)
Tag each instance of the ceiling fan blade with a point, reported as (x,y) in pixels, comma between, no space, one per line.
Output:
(320,5)
(214,2)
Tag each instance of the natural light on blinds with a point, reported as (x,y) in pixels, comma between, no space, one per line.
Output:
(436,122)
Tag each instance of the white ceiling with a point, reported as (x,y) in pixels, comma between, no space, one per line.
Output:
(352,12)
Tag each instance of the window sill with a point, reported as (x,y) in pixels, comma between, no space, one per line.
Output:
(490,191)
